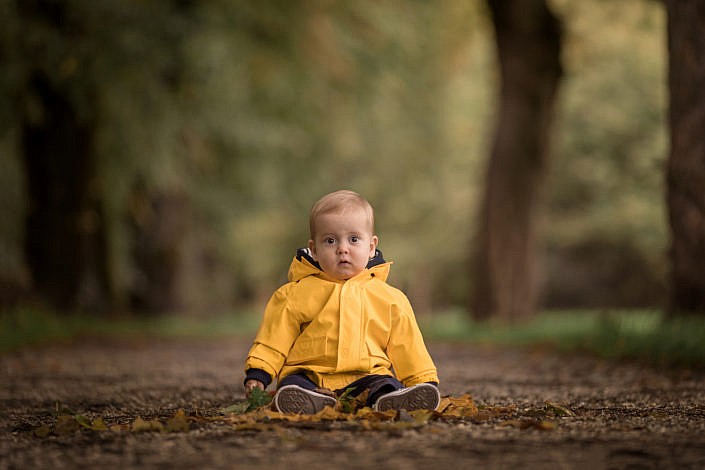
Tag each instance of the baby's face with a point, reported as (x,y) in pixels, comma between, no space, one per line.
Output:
(343,243)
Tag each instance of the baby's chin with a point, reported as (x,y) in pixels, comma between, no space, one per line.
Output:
(346,273)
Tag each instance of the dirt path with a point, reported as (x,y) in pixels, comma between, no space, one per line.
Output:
(618,415)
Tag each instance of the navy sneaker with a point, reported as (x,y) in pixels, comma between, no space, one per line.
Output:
(417,397)
(297,400)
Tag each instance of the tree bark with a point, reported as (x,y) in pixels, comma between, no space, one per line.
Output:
(65,238)
(65,243)
(159,223)
(686,160)
(528,40)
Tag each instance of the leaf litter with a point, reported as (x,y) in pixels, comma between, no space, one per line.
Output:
(257,414)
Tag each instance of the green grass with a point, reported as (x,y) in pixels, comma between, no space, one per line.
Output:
(642,334)
(24,327)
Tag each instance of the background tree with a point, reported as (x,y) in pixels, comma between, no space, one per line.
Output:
(686,161)
(528,38)
(65,241)
(216,124)
(78,65)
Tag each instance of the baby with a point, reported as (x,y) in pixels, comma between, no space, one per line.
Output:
(337,327)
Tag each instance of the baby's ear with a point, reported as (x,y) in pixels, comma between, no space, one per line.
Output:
(373,245)
(312,249)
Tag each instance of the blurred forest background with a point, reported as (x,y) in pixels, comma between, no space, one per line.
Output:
(191,138)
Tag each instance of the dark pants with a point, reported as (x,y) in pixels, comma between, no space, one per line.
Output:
(377,385)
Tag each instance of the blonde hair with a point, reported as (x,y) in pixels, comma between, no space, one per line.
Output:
(337,202)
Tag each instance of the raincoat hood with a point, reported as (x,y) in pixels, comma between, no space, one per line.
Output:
(304,265)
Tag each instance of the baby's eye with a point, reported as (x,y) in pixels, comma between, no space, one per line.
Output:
(354,239)
(329,241)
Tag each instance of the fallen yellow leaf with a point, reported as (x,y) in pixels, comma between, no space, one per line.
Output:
(42,431)
(178,423)
(99,425)
(65,424)
(141,425)
(460,407)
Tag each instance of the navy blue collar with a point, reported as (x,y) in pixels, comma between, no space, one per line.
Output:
(305,254)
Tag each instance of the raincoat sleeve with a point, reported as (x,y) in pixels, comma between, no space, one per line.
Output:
(279,329)
(406,349)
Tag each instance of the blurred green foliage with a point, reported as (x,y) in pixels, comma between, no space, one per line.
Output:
(613,334)
(256,109)
(27,326)
(607,206)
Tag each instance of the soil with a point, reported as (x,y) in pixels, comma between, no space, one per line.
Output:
(558,411)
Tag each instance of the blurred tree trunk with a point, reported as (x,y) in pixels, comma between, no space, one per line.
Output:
(65,238)
(528,40)
(158,215)
(686,162)
(158,222)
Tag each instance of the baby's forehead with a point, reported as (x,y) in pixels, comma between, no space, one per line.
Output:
(351,219)
(344,210)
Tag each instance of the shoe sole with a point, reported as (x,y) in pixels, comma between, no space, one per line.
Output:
(293,399)
(418,397)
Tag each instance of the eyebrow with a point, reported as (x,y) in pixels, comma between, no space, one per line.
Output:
(331,234)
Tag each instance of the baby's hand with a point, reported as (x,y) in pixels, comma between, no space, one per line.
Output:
(251,385)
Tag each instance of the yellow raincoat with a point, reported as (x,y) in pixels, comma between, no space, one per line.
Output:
(339,331)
